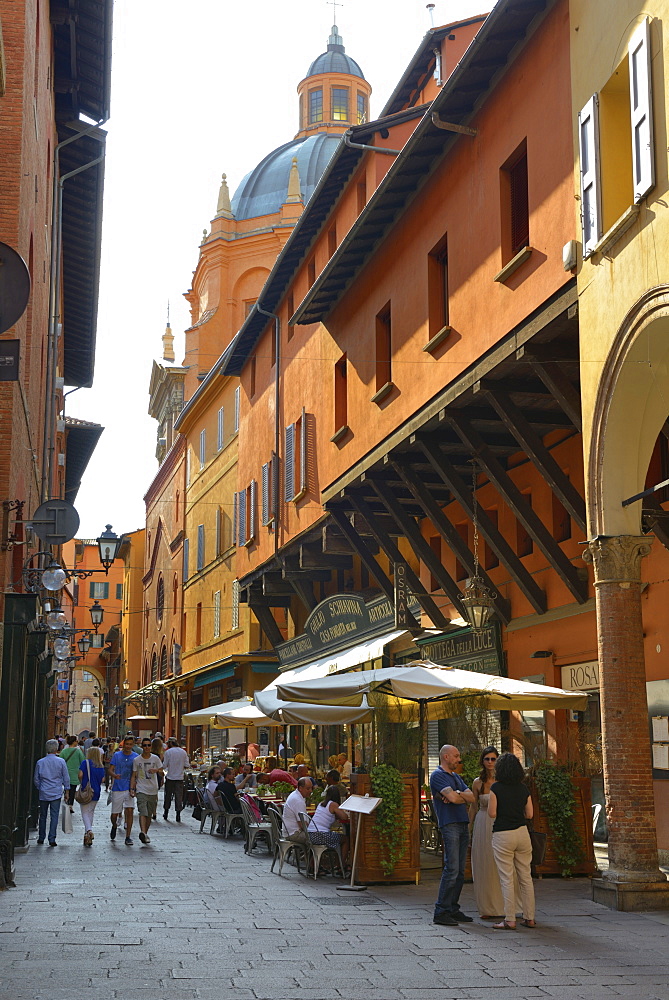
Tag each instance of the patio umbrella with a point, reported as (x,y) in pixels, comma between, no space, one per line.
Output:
(307,714)
(230,713)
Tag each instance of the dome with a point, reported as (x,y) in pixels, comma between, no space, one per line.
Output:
(335,60)
(264,190)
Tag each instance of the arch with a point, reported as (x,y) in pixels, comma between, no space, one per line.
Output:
(631,407)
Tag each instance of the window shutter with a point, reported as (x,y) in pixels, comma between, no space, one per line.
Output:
(185,571)
(200,546)
(187,466)
(203,447)
(217,614)
(265,493)
(237,391)
(253,511)
(219,435)
(241,517)
(588,139)
(219,540)
(303,451)
(289,464)
(235,517)
(641,108)
(235,604)
(91,591)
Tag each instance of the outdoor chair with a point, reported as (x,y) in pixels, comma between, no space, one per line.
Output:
(255,829)
(207,811)
(318,850)
(229,820)
(282,847)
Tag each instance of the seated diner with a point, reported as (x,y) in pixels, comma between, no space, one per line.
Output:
(326,814)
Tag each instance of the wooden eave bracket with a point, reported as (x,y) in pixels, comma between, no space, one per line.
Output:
(452,127)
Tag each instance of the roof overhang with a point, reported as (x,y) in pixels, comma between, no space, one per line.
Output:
(81,440)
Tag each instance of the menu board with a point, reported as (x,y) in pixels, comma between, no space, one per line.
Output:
(660,728)
(661,756)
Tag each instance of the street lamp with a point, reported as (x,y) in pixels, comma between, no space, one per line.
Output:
(108,546)
(478,602)
(97,614)
(62,648)
(84,643)
(56,620)
(54,577)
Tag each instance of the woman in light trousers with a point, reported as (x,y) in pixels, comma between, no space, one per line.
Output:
(92,772)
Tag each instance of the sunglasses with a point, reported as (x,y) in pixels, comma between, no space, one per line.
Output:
(493,759)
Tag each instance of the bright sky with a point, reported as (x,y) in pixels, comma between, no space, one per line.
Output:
(198,90)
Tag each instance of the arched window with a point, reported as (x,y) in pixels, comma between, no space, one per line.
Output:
(154,667)
(175,593)
(145,673)
(163,663)
(87,705)
(146,621)
(176,504)
(160,600)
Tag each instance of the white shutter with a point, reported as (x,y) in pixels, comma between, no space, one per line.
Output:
(641,109)
(253,509)
(289,464)
(241,517)
(235,604)
(219,540)
(235,517)
(265,493)
(203,447)
(303,452)
(217,614)
(237,392)
(588,141)
(219,435)
(187,466)
(200,547)
(185,554)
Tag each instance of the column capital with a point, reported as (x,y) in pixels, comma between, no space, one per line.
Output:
(617,558)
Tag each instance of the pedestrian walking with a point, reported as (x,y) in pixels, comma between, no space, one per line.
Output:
(144,785)
(175,761)
(451,798)
(91,774)
(158,748)
(89,741)
(123,802)
(73,756)
(510,805)
(52,780)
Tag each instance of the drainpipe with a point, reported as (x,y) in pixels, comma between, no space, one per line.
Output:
(362,145)
(48,440)
(277,394)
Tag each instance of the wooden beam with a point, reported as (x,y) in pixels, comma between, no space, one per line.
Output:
(462,493)
(421,547)
(536,450)
(267,622)
(555,380)
(394,555)
(363,550)
(305,591)
(522,509)
(449,533)
(313,557)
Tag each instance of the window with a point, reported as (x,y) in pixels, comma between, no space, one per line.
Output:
(362,108)
(248,306)
(175,592)
(615,131)
(524,544)
(332,240)
(561,521)
(154,667)
(383,349)
(291,310)
(119,591)
(217,614)
(268,512)
(187,466)
(86,676)
(311,271)
(515,204)
(219,531)
(87,706)
(296,459)
(340,394)
(490,559)
(361,195)
(246,513)
(237,395)
(219,429)
(437,288)
(146,621)
(163,663)
(235,604)
(315,106)
(160,599)
(98,591)
(339,104)
(97,640)
(176,506)
(185,566)
(252,377)
(203,447)
(200,547)
(198,624)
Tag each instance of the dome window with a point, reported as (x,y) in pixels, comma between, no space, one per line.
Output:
(362,108)
(339,104)
(315,106)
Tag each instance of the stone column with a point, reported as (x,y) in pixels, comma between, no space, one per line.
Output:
(634,880)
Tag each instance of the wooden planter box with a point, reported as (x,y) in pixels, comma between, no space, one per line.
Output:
(583,821)
(368,868)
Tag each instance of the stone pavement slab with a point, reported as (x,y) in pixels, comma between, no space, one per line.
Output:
(191,917)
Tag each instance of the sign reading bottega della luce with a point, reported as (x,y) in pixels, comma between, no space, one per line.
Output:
(467,649)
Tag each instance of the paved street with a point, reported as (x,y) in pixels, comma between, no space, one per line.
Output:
(190,917)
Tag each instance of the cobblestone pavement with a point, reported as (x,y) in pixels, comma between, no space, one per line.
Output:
(189,917)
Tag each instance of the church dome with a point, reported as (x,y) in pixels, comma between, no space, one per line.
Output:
(335,60)
(265,188)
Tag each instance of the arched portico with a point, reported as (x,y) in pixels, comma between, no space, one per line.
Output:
(631,407)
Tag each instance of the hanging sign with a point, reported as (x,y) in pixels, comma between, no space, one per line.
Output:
(467,649)
(403,617)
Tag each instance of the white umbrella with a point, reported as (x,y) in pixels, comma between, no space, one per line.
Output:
(306,714)
(235,713)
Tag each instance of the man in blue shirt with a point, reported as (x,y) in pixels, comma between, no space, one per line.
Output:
(51,779)
(120,769)
(451,797)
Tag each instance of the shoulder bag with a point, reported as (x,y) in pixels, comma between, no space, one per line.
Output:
(84,795)
(538,841)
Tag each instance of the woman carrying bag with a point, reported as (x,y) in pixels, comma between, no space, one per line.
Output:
(73,756)
(91,776)
(510,806)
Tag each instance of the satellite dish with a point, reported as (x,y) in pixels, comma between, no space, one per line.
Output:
(14,287)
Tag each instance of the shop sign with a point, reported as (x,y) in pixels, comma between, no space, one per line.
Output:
(336,623)
(234,690)
(402,614)
(467,649)
(9,360)
(581,676)
(214,693)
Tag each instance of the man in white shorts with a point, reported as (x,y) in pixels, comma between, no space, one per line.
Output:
(144,785)
(120,770)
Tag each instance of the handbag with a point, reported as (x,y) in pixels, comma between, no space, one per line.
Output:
(538,841)
(65,818)
(84,795)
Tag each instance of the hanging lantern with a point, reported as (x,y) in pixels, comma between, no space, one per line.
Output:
(478,602)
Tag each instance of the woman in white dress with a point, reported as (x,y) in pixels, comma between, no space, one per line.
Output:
(487,888)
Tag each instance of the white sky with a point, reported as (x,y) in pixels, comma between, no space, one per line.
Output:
(198,90)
